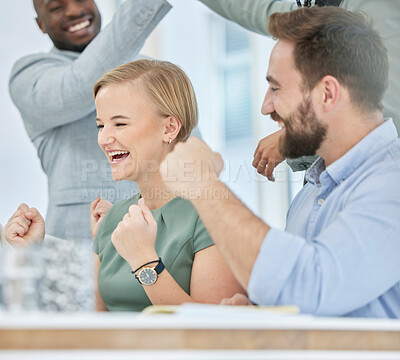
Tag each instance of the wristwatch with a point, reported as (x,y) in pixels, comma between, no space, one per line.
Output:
(149,275)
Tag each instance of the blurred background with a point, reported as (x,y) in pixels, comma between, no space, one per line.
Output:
(227,66)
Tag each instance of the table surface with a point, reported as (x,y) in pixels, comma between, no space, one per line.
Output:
(196,327)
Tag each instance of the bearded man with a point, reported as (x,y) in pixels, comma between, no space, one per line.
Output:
(340,252)
(254,15)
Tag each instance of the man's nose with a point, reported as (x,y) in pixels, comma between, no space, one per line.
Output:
(268,104)
(73,8)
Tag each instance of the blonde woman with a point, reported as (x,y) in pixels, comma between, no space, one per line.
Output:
(153,247)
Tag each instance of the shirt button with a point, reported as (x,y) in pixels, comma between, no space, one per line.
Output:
(321,201)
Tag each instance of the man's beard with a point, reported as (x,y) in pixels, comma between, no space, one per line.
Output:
(304,133)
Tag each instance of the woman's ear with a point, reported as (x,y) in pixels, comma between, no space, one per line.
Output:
(172,126)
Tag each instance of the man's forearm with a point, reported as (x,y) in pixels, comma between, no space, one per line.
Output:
(251,14)
(236,231)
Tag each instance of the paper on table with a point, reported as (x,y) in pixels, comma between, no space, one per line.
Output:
(200,310)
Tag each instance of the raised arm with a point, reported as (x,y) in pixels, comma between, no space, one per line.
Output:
(356,256)
(46,87)
(251,14)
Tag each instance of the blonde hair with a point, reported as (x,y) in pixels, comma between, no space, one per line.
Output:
(167,86)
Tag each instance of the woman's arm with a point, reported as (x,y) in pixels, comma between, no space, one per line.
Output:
(100,306)
(211,280)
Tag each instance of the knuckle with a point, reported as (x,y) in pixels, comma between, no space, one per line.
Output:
(19,213)
(19,219)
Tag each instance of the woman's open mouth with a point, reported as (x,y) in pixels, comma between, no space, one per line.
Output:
(118,156)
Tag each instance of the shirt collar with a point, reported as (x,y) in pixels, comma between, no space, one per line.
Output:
(356,156)
(70,54)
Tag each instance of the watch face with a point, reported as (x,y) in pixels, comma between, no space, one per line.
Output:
(147,276)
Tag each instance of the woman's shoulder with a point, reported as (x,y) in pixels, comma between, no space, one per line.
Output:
(181,217)
(123,205)
(179,208)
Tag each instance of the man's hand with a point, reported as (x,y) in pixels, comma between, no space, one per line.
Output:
(190,168)
(135,236)
(25,226)
(98,209)
(267,155)
(237,299)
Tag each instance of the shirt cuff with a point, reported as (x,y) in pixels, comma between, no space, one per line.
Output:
(275,262)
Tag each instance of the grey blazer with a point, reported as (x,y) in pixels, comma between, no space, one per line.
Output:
(54,94)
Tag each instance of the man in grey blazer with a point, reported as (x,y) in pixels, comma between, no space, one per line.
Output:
(54,94)
(254,14)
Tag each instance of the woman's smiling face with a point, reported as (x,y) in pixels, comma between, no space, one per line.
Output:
(130,130)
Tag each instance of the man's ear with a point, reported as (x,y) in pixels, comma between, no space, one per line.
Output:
(41,26)
(330,92)
(172,126)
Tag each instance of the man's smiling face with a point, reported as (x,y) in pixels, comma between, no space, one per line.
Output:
(291,105)
(71,24)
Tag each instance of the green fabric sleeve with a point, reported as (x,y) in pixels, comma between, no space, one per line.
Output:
(201,237)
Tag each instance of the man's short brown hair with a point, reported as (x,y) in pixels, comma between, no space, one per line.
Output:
(333,41)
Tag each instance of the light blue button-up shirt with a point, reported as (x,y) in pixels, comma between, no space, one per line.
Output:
(340,253)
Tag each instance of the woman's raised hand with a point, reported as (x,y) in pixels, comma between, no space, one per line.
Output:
(25,226)
(135,236)
(98,209)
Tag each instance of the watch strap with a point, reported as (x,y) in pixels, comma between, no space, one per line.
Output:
(148,263)
(160,267)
